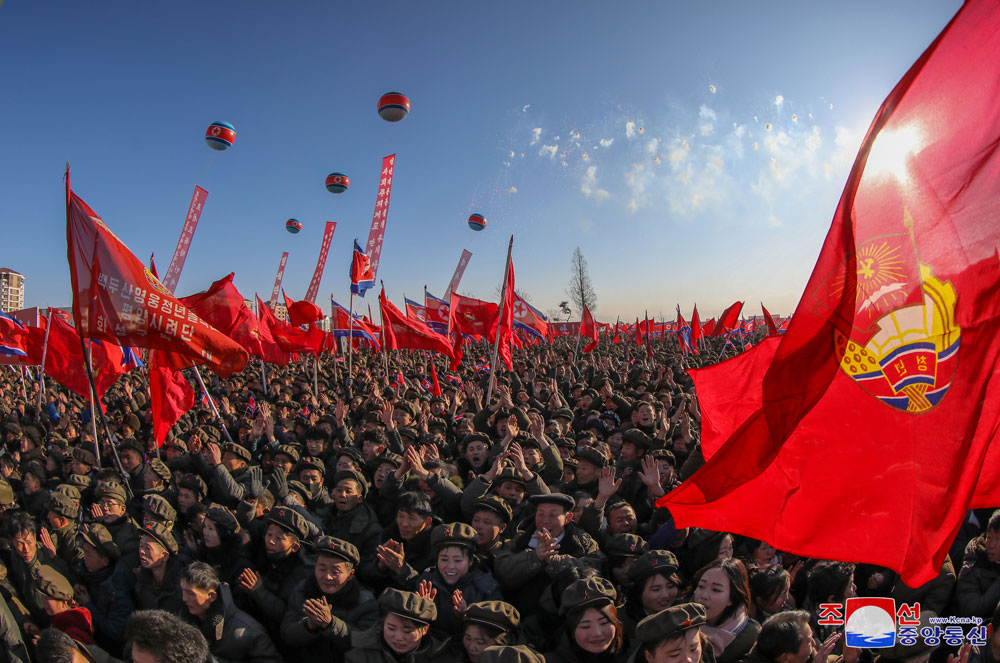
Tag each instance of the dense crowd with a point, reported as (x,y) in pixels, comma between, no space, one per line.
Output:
(369,520)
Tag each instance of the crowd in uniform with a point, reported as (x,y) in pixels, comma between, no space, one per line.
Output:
(319,519)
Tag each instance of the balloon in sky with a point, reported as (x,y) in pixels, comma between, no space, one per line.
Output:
(393,106)
(293,226)
(337,183)
(220,135)
(477,222)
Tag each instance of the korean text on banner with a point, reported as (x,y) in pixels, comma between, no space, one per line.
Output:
(277,280)
(324,249)
(374,246)
(184,241)
(456,278)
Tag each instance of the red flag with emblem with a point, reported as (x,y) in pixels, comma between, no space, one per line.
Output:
(118,300)
(472,317)
(881,399)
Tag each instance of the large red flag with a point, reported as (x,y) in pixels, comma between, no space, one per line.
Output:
(695,330)
(470,316)
(302,312)
(270,351)
(588,329)
(401,332)
(64,361)
(290,339)
(504,321)
(116,299)
(708,327)
(435,385)
(223,307)
(879,410)
(170,394)
(14,340)
(728,320)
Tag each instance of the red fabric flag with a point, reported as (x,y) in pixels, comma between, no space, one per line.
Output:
(470,316)
(170,394)
(435,385)
(772,330)
(530,319)
(402,333)
(878,412)
(729,319)
(708,327)
(223,307)
(289,339)
(504,320)
(64,361)
(152,266)
(695,330)
(457,354)
(588,329)
(302,312)
(15,341)
(116,299)
(638,335)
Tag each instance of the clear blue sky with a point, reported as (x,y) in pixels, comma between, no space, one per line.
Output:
(695,151)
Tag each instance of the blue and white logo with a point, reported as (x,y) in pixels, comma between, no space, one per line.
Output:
(871,622)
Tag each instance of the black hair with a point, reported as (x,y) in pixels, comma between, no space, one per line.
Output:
(21,522)
(994,523)
(54,646)
(781,634)
(828,579)
(767,583)
(202,576)
(166,637)
(414,502)
(739,584)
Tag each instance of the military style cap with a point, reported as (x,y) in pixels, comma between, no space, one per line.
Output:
(98,536)
(6,493)
(665,454)
(53,584)
(508,474)
(587,593)
(158,507)
(288,450)
(388,457)
(296,486)
(353,454)
(176,443)
(405,407)
(84,456)
(194,483)
(497,505)
(70,491)
(333,547)
(409,605)
(663,562)
(64,505)
(114,491)
(669,622)
(161,535)
(454,534)
(437,422)
(592,456)
(496,614)
(160,469)
(132,444)
(354,476)
(79,480)
(223,518)
(563,413)
(34,468)
(638,438)
(238,450)
(289,520)
(476,437)
(625,545)
(311,463)
(561,499)
(510,654)
(409,432)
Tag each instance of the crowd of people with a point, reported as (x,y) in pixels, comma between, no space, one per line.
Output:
(318,518)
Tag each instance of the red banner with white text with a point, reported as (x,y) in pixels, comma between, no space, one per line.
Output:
(375,236)
(324,249)
(184,242)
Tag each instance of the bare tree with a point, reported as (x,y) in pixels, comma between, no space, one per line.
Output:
(565,309)
(581,290)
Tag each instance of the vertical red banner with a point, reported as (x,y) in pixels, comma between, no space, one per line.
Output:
(374,246)
(456,278)
(324,249)
(184,242)
(277,280)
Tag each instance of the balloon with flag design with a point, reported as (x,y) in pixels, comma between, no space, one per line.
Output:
(477,222)
(293,226)
(393,106)
(220,136)
(337,183)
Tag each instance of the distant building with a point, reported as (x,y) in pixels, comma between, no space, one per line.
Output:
(11,290)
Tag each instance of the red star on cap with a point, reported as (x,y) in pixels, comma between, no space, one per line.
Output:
(686,622)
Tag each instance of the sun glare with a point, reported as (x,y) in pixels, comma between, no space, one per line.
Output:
(892,150)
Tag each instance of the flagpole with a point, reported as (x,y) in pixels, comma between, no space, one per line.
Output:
(496,341)
(649,348)
(211,403)
(316,377)
(41,373)
(579,333)
(24,389)
(385,348)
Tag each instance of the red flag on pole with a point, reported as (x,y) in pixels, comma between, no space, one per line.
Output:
(64,361)
(116,299)
(435,385)
(170,395)
(729,319)
(504,322)
(588,329)
(772,330)
(223,307)
(401,332)
(695,330)
(470,316)
(302,312)
(881,398)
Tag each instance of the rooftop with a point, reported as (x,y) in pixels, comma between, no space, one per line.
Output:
(12,271)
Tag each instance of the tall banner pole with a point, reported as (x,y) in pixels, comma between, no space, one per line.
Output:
(350,343)
(277,280)
(184,241)
(373,247)
(456,278)
(324,249)
(496,341)
(385,345)
(45,352)
(211,403)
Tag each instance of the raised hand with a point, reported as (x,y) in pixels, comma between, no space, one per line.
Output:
(249,580)
(390,556)
(458,602)
(650,476)
(317,612)
(426,589)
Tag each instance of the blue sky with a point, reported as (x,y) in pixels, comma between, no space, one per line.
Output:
(695,151)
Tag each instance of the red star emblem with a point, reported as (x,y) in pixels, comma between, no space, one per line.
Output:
(686,622)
